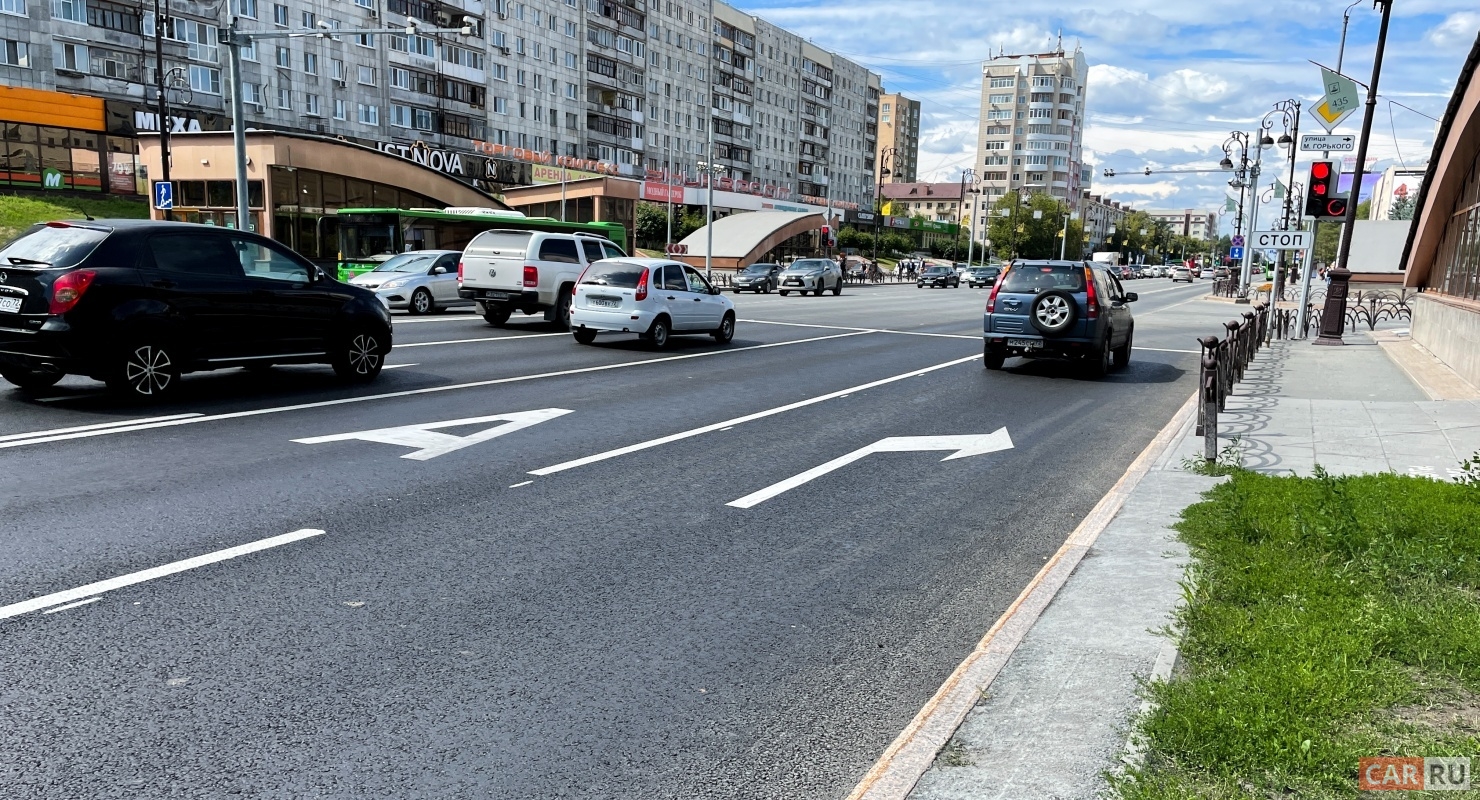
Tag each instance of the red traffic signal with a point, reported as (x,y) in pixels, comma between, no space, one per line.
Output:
(1321,200)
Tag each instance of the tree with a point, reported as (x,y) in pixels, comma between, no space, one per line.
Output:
(1019,234)
(1402,208)
(652,224)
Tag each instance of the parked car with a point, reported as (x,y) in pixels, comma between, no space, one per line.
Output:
(1059,309)
(651,297)
(811,275)
(421,282)
(503,271)
(138,303)
(1182,273)
(982,276)
(758,278)
(938,277)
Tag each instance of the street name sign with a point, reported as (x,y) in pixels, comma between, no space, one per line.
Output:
(428,442)
(1282,240)
(1328,144)
(965,446)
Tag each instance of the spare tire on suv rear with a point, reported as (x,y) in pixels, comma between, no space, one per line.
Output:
(1053,312)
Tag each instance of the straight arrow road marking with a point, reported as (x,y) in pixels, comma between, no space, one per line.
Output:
(429,443)
(965,447)
(83,592)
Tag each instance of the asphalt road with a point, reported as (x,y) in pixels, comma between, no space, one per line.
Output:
(564,608)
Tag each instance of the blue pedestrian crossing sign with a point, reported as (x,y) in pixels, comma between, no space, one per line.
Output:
(1236,252)
(164,195)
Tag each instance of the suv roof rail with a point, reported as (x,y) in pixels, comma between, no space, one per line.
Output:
(593,235)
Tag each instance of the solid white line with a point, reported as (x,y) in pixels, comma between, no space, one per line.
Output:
(1165,350)
(47,601)
(397,366)
(863,330)
(100,426)
(40,439)
(464,318)
(633,448)
(72,605)
(1173,305)
(517,485)
(485,339)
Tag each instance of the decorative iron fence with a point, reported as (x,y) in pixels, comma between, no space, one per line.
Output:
(1223,364)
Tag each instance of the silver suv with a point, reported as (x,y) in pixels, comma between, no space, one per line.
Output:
(503,271)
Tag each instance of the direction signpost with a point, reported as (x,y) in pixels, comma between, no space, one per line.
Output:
(1328,144)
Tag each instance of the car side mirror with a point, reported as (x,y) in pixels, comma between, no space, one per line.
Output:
(714,290)
(1131,297)
(316,274)
(439,270)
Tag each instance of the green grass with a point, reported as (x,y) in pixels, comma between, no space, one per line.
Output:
(1326,619)
(19,211)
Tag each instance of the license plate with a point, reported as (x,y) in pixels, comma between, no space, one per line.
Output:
(498,295)
(1031,344)
(604,302)
(10,304)
(793,282)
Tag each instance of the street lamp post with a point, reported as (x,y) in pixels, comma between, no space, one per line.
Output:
(235,39)
(969,176)
(887,157)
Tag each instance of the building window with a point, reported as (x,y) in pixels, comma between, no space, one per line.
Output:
(71,56)
(112,16)
(367,115)
(400,115)
(16,7)
(244,8)
(311,63)
(499,72)
(365,39)
(284,57)
(500,105)
(421,119)
(336,69)
(205,79)
(112,64)
(284,98)
(339,109)
(311,106)
(310,19)
(69,10)
(280,15)
(367,75)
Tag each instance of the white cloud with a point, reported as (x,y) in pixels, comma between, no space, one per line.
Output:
(1456,30)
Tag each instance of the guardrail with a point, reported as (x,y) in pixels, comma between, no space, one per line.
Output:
(1224,362)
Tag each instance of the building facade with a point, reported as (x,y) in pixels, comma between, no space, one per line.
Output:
(1396,193)
(1101,216)
(1202,225)
(937,202)
(541,91)
(899,128)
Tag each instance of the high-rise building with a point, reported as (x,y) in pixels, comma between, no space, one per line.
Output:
(1032,126)
(899,128)
(1187,222)
(622,86)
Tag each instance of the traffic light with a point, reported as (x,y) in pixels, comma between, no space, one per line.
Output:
(1321,199)
(827,237)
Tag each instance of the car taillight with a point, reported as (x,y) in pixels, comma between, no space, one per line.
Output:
(1091,301)
(531,276)
(992,298)
(642,284)
(459,271)
(68,289)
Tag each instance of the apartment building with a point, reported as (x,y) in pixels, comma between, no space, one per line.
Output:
(1100,216)
(1031,130)
(1201,225)
(540,91)
(937,202)
(899,128)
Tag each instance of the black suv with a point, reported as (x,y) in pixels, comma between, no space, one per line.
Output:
(939,277)
(136,303)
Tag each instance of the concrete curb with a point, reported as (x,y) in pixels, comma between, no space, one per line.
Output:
(903,763)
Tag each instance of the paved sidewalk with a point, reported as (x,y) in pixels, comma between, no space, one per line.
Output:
(1055,719)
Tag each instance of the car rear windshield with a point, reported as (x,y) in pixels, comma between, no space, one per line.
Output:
(812,263)
(1035,278)
(55,246)
(617,274)
(507,243)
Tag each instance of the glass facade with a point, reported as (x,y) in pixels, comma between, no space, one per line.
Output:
(214,203)
(29,152)
(1456,270)
(305,203)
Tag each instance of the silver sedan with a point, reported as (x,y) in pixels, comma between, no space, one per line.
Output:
(421,281)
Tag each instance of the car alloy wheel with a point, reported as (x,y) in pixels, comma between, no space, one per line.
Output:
(147,372)
(1052,311)
(421,302)
(360,357)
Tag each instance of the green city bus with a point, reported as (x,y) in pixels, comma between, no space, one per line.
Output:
(368,236)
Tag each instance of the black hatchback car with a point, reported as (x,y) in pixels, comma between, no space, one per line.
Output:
(137,303)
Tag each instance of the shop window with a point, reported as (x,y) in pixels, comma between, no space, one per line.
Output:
(219,194)
(191,193)
(310,194)
(333,192)
(385,196)
(357,194)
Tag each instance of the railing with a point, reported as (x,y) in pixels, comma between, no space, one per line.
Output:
(1223,364)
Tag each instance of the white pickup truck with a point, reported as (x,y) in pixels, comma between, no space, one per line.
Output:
(503,271)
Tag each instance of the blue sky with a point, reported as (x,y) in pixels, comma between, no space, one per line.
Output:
(1168,80)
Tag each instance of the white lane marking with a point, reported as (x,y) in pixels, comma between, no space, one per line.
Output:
(483,339)
(1173,305)
(99,426)
(39,439)
(429,443)
(524,483)
(397,366)
(465,318)
(1165,350)
(47,601)
(965,447)
(633,448)
(861,330)
(72,605)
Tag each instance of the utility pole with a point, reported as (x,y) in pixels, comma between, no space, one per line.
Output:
(668,188)
(1333,317)
(162,112)
(709,205)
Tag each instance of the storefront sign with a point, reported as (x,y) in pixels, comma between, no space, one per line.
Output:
(897,222)
(547,174)
(861,217)
(822,201)
(439,160)
(661,192)
(723,184)
(51,178)
(545,157)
